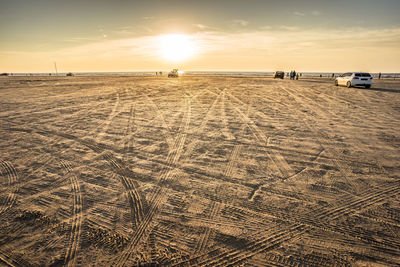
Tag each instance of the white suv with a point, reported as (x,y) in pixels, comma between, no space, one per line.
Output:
(354,78)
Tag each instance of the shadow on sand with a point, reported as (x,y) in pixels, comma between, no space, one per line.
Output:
(382,90)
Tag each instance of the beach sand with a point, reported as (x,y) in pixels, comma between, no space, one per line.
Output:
(217,171)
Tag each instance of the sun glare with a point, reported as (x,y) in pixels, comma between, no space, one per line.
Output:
(176,47)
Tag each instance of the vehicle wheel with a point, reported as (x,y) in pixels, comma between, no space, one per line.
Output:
(348,84)
(336,83)
(368,86)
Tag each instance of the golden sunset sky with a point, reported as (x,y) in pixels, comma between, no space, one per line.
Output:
(252,35)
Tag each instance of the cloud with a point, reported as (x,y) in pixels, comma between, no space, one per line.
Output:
(265,27)
(200,26)
(239,22)
(80,40)
(297,13)
(316,13)
(302,14)
(123,30)
(288,28)
(203,27)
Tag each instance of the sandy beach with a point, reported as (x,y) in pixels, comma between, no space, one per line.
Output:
(198,171)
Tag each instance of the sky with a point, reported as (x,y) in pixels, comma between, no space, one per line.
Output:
(251,35)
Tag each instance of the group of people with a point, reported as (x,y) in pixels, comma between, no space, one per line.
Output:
(294,75)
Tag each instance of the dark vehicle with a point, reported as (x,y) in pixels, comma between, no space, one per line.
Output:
(279,74)
(173,74)
(3,74)
(70,74)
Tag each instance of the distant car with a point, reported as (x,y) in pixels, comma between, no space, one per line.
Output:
(173,74)
(350,79)
(70,74)
(279,74)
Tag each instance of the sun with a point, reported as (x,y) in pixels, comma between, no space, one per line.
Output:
(176,47)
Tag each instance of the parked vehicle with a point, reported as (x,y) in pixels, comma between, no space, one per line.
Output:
(350,79)
(173,73)
(279,74)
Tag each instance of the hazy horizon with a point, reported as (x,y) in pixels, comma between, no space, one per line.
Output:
(129,36)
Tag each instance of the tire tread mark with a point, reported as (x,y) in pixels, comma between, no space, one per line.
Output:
(135,199)
(76,229)
(201,245)
(6,260)
(106,123)
(365,201)
(344,169)
(12,176)
(233,256)
(133,193)
(277,159)
(169,137)
(157,198)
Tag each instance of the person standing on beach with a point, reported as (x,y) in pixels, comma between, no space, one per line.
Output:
(297,76)
(380,74)
(294,74)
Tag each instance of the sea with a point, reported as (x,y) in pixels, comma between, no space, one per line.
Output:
(205,73)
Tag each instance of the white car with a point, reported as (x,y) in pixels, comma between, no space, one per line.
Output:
(350,79)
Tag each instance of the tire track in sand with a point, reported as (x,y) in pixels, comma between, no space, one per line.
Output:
(233,159)
(7,259)
(76,229)
(298,226)
(102,128)
(167,130)
(225,129)
(365,201)
(157,198)
(130,185)
(217,206)
(318,132)
(277,159)
(12,177)
(203,241)
(231,257)
(135,199)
